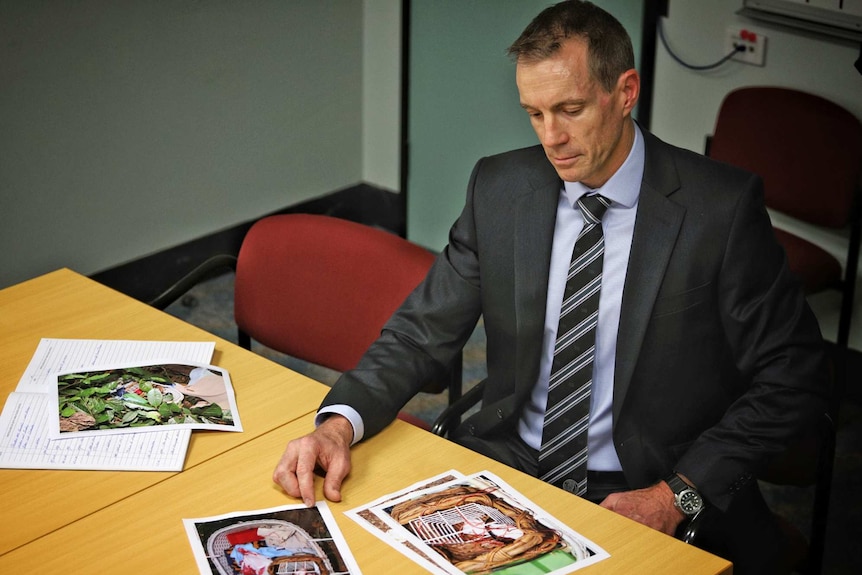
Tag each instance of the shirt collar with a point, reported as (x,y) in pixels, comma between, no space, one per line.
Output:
(623,188)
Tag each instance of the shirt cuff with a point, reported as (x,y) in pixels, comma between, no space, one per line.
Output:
(346,411)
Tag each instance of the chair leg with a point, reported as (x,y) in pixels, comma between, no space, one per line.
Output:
(823,491)
(456,373)
(243,339)
(846,316)
(456,391)
(850,274)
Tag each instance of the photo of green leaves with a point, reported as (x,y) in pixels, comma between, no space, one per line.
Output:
(130,398)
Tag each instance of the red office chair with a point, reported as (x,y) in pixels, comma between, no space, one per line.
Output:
(320,288)
(808,151)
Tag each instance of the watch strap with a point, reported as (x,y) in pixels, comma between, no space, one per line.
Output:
(677,485)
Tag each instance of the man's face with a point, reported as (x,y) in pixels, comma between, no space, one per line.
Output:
(586,132)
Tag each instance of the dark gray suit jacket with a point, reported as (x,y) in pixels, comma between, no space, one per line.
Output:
(719,360)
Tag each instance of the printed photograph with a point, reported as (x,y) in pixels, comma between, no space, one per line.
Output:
(293,539)
(478,525)
(366,517)
(145,398)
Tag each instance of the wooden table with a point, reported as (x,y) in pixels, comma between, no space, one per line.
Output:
(64,304)
(145,530)
(107,522)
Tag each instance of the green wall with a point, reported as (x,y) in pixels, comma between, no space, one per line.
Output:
(463,102)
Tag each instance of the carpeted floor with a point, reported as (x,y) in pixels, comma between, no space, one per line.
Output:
(210,306)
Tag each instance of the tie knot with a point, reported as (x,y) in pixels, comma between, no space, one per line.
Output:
(593,208)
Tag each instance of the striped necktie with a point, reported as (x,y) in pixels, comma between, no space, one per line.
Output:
(563,455)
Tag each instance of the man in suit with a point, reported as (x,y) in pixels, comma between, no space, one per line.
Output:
(708,361)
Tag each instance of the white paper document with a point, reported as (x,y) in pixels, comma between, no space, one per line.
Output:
(24,422)
(454,524)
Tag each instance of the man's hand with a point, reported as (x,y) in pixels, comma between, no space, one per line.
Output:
(327,446)
(652,506)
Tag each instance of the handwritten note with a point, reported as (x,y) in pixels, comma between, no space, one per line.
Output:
(24,435)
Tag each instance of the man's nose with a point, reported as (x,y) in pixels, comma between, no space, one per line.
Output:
(552,133)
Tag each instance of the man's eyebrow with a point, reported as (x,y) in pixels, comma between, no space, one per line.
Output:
(572,102)
(559,105)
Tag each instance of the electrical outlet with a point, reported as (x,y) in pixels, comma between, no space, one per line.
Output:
(750,46)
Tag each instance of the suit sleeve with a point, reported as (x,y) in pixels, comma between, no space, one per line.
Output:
(776,344)
(421,339)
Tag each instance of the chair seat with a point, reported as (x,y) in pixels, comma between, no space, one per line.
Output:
(817,269)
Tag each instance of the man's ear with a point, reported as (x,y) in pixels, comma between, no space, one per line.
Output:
(629,85)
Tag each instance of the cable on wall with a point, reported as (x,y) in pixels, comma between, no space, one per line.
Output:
(686,64)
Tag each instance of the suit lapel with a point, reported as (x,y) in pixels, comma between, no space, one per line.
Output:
(657,226)
(534,234)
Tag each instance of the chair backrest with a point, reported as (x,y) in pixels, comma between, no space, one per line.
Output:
(320,288)
(807,149)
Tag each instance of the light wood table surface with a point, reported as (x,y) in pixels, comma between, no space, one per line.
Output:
(64,304)
(144,533)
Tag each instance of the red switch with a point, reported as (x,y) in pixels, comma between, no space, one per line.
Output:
(748,36)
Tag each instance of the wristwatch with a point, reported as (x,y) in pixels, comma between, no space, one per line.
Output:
(685,497)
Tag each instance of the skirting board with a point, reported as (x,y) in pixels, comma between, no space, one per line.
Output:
(147,277)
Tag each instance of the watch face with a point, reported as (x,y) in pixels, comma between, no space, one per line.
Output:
(690,502)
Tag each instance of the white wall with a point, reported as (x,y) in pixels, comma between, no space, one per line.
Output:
(685,103)
(129,127)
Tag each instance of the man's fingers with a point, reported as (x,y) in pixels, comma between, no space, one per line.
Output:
(305,464)
(650,506)
(284,474)
(338,469)
(327,447)
(610,501)
(295,471)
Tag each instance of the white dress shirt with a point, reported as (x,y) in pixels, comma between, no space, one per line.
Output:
(623,188)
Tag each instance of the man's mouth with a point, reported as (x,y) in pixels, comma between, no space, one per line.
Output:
(559,160)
